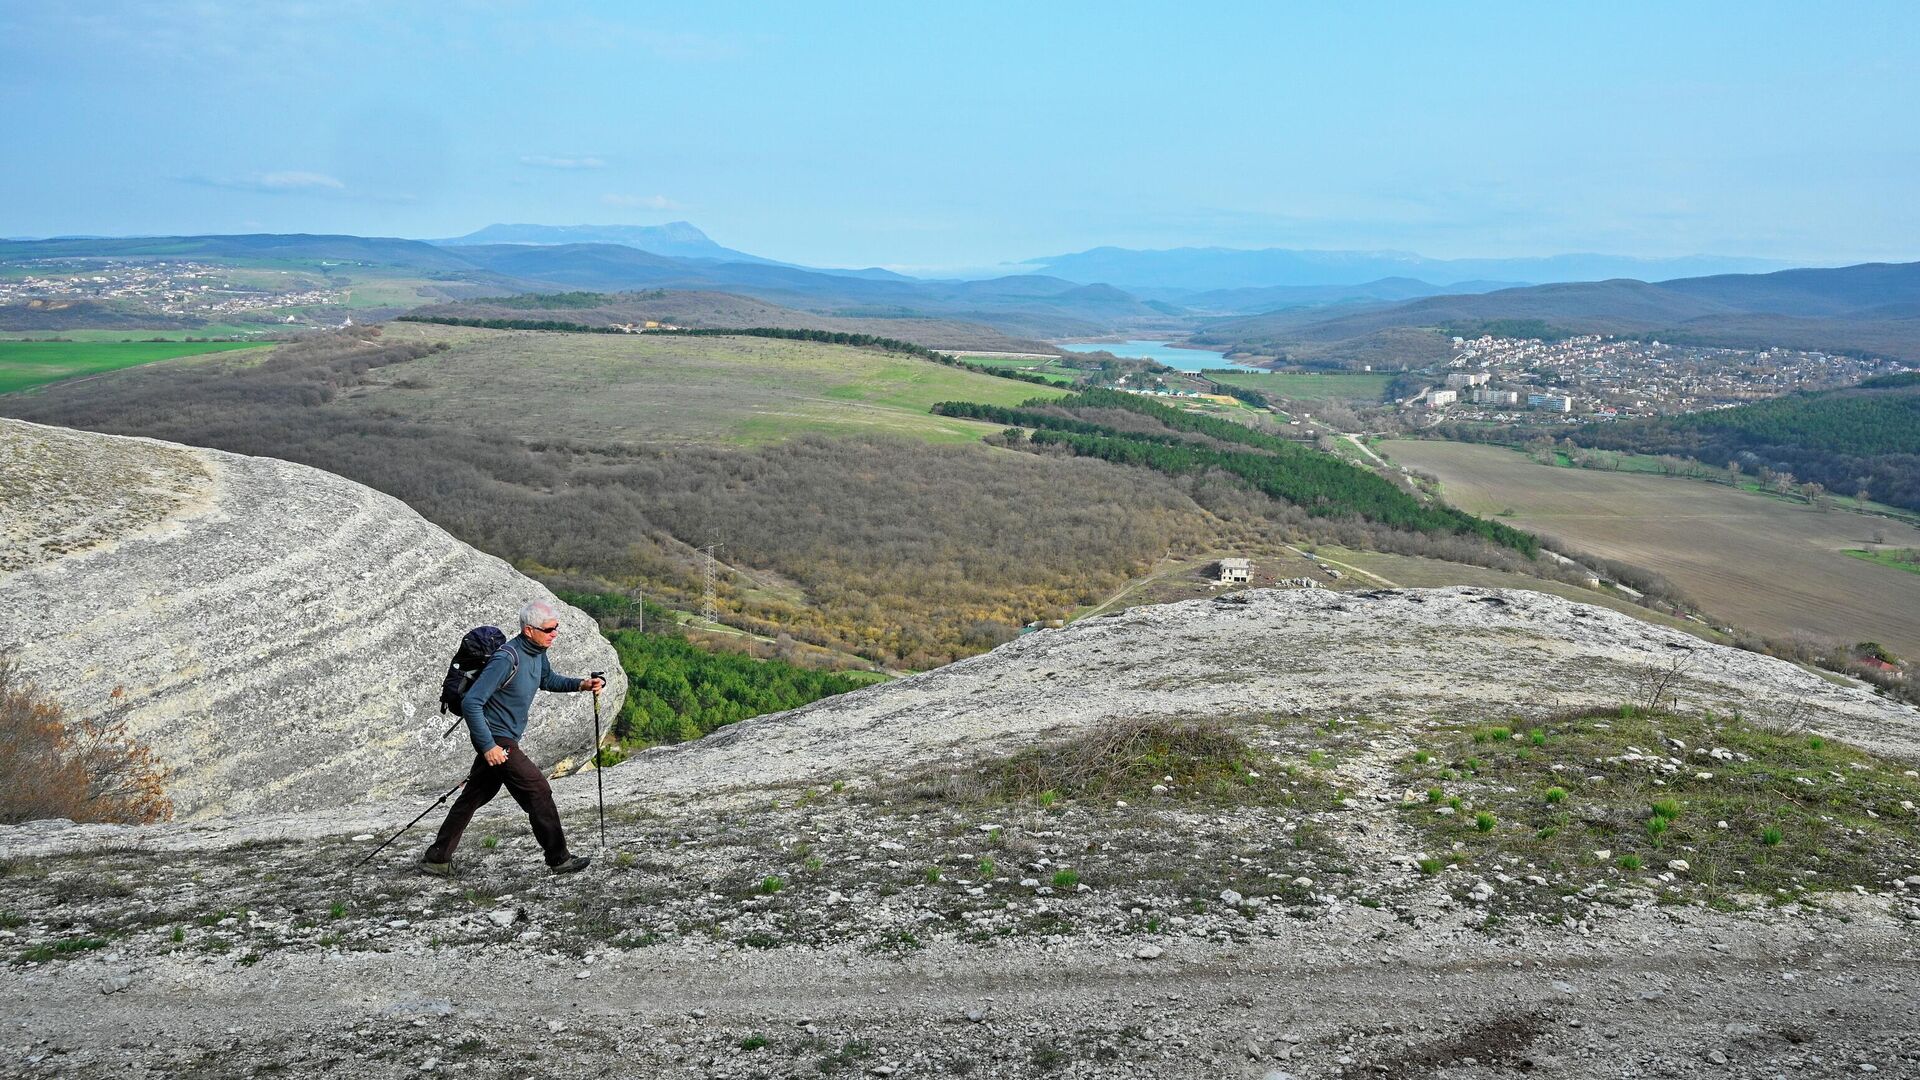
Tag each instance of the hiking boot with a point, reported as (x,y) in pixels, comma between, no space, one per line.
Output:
(573,865)
(437,869)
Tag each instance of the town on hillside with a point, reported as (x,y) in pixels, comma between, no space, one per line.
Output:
(1595,377)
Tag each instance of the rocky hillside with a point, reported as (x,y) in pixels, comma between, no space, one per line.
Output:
(1276,835)
(274,633)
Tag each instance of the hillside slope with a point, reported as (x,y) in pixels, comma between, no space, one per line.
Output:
(275,634)
(1860,438)
(863,886)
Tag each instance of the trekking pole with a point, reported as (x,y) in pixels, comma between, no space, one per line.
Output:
(599,776)
(410,824)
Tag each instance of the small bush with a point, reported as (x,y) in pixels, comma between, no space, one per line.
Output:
(987,867)
(771,884)
(1065,879)
(1485,821)
(1431,866)
(1046,799)
(932,875)
(1434,795)
(1421,757)
(1667,808)
(1537,737)
(1657,827)
(490,842)
(1771,835)
(84,770)
(1815,742)
(1628,862)
(755,1041)
(1556,795)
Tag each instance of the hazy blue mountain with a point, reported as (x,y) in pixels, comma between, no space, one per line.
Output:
(1251,301)
(679,239)
(1216,268)
(676,239)
(1872,308)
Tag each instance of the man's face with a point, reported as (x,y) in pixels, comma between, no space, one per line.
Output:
(542,635)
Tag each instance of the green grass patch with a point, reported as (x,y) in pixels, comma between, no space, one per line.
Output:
(1753,813)
(25,364)
(1907,559)
(40,954)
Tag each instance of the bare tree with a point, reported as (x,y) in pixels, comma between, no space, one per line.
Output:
(1658,684)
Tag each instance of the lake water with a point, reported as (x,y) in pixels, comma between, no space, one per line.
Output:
(1161,353)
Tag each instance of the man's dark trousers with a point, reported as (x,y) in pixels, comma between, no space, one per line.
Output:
(528,787)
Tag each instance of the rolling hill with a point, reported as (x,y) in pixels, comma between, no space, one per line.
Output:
(701,309)
(1022,305)
(1871,308)
(1229,268)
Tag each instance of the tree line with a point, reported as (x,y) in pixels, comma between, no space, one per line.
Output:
(1862,441)
(1321,484)
(677,690)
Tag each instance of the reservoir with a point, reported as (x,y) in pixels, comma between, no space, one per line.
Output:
(1161,353)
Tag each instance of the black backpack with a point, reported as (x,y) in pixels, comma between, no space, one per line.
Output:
(477,647)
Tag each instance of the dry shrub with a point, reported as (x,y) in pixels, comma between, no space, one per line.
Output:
(88,770)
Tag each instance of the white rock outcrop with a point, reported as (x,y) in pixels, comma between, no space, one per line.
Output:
(1414,656)
(276,634)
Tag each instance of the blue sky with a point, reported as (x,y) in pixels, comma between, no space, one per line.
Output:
(946,135)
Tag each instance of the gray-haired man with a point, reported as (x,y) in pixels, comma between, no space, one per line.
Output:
(495,709)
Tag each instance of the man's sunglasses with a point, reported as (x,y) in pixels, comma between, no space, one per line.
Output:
(554,629)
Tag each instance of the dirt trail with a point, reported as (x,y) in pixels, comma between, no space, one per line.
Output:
(1794,1001)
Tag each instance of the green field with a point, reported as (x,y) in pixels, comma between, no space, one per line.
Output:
(1048,369)
(1311,386)
(739,390)
(1907,559)
(25,364)
(1769,565)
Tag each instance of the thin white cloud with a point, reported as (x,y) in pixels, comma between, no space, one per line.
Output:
(284,182)
(545,161)
(640,202)
(297,182)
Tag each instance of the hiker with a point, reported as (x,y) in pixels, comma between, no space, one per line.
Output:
(495,708)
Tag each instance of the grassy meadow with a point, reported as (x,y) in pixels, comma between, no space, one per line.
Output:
(1311,386)
(1768,565)
(26,364)
(736,391)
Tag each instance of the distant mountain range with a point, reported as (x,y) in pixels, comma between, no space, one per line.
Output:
(1213,268)
(1870,308)
(675,239)
(678,239)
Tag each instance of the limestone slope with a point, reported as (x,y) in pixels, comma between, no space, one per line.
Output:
(1414,656)
(276,634)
